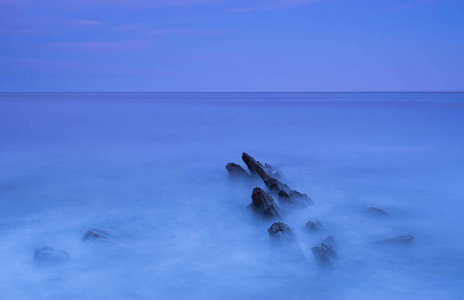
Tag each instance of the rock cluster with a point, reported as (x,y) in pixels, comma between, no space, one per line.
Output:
(263,203)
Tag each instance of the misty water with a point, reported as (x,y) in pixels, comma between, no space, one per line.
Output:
(149,168)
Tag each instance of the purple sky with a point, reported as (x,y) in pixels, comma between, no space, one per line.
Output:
(225,45)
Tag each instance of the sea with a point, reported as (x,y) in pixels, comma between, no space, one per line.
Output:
(149,169)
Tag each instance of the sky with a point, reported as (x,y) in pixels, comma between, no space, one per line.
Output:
(231,46)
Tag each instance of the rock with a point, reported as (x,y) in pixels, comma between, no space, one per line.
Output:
(263,203)
(374,211)
(273,184)
(97,235)
(50,256)
(270,170)
(397,240)
(329,241)
(236,171)
(300,196)
(279,230)
(323,254)
(313,226)
(284,197)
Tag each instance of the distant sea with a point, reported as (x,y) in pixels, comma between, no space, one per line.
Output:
(149,168)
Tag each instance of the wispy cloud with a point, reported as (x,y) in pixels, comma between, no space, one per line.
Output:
(104,46)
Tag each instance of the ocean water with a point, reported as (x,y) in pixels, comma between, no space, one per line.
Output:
(149,168)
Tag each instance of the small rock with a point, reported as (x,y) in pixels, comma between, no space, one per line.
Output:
(236,171)
(50,256)
(374,211)
(263,203)
(313,226)
(97,235)
(329,241)
(397,240)
(323,253)
(279,230)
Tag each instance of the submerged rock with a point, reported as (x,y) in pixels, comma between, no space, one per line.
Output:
(397,240)
(236,171)
(49,255)
(273,184)
(313,226)
(279,230)
(263,203)
(374,211)
(323,254)
(97,235)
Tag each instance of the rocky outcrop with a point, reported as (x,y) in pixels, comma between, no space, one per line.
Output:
(325,252)
(263,203)
(48,255)
(97,235)
(274,185)
(377,212)
(236,171)
(397,240)
(279,230)
(313,226)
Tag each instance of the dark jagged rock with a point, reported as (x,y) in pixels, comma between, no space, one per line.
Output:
(273,184)
(236,171)
(313,226)
(48,255)
(377,212)
(263,203)
(397,240)
(284,197)
(279,230)
(324,253)
(97,235)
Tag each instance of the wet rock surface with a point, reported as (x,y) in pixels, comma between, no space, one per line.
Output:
(236,171)
(397,240)
(263,203)
(279,230)
(48,255)
(377,212)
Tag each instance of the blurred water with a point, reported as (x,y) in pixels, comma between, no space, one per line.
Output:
(150,168)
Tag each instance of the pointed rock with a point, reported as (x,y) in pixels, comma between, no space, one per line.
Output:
(236,171)
(263,203)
